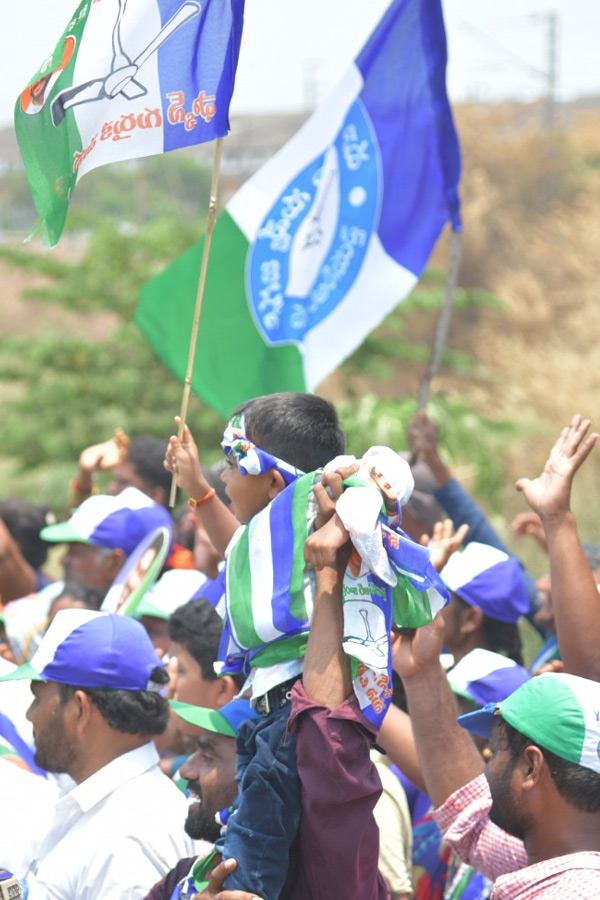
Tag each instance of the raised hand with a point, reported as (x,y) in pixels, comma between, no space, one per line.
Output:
(329,490)
(549,495)
(107,455)
(530,524)
(423,435)
(410,655)
(321,547)
(444,541)
(181,457)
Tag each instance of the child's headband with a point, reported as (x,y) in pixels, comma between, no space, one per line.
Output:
(250,458)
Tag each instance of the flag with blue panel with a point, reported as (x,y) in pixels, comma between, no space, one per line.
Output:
(128,78)
(324,240)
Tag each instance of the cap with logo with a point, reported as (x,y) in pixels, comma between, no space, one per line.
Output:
(121,521)
(93,649)
(557,711)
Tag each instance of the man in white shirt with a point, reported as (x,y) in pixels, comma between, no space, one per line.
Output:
(99,538)
(96,683)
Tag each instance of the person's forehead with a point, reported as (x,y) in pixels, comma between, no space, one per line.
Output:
(154,624)
(497,737)
(44,689)
(179,651)
(81,549)
(221,744)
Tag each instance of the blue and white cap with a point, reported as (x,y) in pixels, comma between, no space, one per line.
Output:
(93,649)
(483,676)
(488,578)
(120,522)
(173,589)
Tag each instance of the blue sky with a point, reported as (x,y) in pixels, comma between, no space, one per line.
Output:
(293,51)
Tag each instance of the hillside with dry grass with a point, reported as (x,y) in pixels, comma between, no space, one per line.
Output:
(532,237)
(531,214)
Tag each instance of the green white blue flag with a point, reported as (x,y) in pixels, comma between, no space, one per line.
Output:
(128,78)
(326,238)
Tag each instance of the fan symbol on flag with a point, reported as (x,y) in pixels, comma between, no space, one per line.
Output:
(122,76)
(368,648)
(314,236)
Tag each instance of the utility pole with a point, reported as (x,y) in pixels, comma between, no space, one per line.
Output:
(550,20)
(548,73)
(552,23)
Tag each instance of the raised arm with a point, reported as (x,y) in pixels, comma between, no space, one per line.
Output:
(462,509)
(397,739)
(327,677)
(448,757)
(98,458)
(575,598)
(181,457)
(339,781)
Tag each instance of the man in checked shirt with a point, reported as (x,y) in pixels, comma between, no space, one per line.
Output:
(530,820)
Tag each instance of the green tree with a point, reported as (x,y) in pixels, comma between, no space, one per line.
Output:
(63,391)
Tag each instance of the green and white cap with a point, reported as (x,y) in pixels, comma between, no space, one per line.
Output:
(559,712)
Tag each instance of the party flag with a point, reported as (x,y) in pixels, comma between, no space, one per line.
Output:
(328,236)
(128,78)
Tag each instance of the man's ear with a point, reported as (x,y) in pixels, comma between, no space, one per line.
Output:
(532,765)
(82,709)
(471,619)
(277,484)
(227,690)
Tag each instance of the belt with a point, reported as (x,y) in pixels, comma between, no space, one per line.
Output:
(277,698)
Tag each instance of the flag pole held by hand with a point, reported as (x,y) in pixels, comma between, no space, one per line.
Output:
(187,387)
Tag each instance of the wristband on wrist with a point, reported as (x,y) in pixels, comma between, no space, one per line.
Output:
(78,493)
(204,499)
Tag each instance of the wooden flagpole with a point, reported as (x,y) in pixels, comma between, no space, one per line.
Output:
(443,322)
(212,215)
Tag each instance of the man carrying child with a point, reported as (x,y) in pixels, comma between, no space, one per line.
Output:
(271,443)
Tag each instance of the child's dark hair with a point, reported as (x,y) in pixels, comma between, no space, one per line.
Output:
(197,627)
(300,429)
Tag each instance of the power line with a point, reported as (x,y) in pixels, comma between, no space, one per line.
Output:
(540,73)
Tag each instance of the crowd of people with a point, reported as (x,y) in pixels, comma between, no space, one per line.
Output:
(307,682)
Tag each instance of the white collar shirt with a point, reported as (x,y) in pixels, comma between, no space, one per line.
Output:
(114,835)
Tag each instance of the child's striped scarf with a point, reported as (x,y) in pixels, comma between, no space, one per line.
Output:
(267,599)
